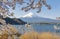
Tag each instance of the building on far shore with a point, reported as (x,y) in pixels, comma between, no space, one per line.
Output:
(58,18)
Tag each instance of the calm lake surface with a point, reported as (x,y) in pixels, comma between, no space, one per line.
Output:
(38,27)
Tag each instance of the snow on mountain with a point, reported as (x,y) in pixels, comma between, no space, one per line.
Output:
(29,15)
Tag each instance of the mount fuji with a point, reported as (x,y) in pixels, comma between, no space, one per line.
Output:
(34,18)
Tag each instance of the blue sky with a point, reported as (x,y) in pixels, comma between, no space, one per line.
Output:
(53,13)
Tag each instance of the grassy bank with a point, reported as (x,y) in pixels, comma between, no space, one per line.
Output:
(43,35)
(31,35)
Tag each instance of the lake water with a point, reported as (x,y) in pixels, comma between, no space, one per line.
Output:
(37,27)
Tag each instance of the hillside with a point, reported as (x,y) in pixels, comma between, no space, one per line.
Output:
(14,21)
(39,20)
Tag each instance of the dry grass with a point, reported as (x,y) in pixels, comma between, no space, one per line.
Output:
(35,35)
(48,35)
(30,35)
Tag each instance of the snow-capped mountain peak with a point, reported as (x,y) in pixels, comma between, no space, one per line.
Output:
(29,15)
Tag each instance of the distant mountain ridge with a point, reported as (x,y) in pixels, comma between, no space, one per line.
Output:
(39,20)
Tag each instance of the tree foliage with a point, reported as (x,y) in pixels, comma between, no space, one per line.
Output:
(5,4)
